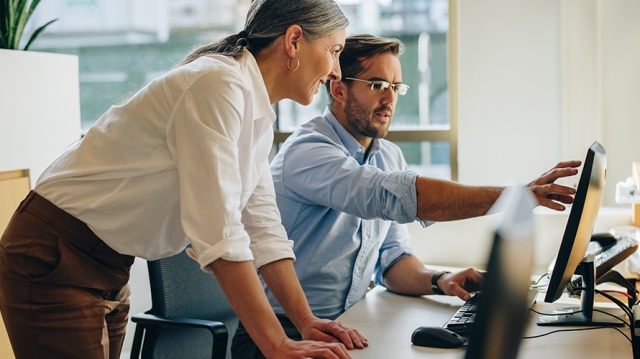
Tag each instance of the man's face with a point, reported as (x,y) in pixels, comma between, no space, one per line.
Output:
(368,112)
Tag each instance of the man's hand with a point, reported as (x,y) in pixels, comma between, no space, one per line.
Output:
(548,193)
(331,331)
(461,283)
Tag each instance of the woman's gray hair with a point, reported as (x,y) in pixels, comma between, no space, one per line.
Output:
(267,20)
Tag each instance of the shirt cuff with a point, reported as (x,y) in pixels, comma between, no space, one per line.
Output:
(402,185)
(388,259)
(266,252)
(230,250)
(424,223)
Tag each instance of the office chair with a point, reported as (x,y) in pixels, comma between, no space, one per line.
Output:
(189,318)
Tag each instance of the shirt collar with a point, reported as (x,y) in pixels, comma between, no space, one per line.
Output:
(348,141)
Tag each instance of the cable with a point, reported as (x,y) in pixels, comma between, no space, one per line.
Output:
(618,292)
(628,324)
(615,300)
(576,330)
(581,311)
(555,314)
(541,278)
(541,287)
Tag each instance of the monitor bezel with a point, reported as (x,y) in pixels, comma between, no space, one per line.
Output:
(573,248)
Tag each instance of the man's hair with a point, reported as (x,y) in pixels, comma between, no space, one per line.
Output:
(359,48)
(267,20)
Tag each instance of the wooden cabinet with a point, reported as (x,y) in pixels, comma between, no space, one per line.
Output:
(14,186)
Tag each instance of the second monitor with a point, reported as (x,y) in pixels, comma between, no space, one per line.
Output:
(572,258)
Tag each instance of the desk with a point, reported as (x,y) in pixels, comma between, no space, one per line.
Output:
(387,321)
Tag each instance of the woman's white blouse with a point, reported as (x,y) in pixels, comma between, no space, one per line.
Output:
(183,160)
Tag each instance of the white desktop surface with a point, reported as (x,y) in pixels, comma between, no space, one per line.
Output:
(387,321)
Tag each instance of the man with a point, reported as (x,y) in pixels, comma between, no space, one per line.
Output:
(343,193)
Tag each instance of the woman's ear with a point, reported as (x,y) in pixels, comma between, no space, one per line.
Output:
(292,40)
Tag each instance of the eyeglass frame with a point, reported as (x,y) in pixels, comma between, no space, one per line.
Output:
(399,88)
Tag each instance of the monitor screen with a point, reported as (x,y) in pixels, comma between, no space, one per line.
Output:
(575,241)
(503,307)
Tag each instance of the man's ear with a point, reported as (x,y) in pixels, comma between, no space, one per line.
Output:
(338,91)
(292,40)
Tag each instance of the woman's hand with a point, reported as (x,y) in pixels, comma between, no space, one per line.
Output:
(291,349)
(314,328)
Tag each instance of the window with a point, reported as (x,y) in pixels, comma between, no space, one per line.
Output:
(120,54)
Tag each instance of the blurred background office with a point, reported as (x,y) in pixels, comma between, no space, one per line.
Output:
(501,90)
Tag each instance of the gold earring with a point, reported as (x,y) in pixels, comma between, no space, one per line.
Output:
(289,64)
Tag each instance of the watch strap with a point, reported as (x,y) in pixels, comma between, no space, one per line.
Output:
(434,282)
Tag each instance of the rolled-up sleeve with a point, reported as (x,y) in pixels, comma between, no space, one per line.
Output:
(262,221)
(396,245)
(341,183)
(210,179)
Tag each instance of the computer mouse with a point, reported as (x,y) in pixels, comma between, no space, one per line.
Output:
(437,337)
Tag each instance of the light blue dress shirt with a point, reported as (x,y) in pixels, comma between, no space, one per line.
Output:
(343,211)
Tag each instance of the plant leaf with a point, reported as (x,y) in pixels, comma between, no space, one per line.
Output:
(4,22)
(14,16)
(8,9)
(37,32)
(20,21)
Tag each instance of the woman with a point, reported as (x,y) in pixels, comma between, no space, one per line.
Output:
(183,160)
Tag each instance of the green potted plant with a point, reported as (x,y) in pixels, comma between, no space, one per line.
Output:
(14,15)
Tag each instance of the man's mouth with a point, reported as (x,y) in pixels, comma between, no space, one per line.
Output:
(383,114)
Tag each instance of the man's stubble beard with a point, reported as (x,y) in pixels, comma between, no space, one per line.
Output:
(360,119)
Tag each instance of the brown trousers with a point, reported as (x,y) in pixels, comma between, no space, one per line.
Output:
(63,291)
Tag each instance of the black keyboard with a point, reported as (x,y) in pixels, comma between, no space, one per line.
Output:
(464,318)
(608,256)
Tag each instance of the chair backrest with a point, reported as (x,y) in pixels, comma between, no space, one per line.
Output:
(179,288)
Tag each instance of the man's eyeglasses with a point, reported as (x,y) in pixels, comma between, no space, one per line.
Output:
(381,85)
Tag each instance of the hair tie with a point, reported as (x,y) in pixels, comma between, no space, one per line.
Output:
(243,39)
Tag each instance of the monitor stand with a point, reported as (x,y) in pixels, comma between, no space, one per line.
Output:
(585,315)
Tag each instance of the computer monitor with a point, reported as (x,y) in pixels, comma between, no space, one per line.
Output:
(570,259)
(503,307)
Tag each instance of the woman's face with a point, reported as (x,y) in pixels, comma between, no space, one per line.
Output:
(319,62)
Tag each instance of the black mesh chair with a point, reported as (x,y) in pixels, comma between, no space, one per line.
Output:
(189,318)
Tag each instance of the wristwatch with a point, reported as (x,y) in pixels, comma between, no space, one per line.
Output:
(434,282)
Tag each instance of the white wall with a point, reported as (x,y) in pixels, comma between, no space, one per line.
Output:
(540,80)
(620,91)
(509,90)
(39,109)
